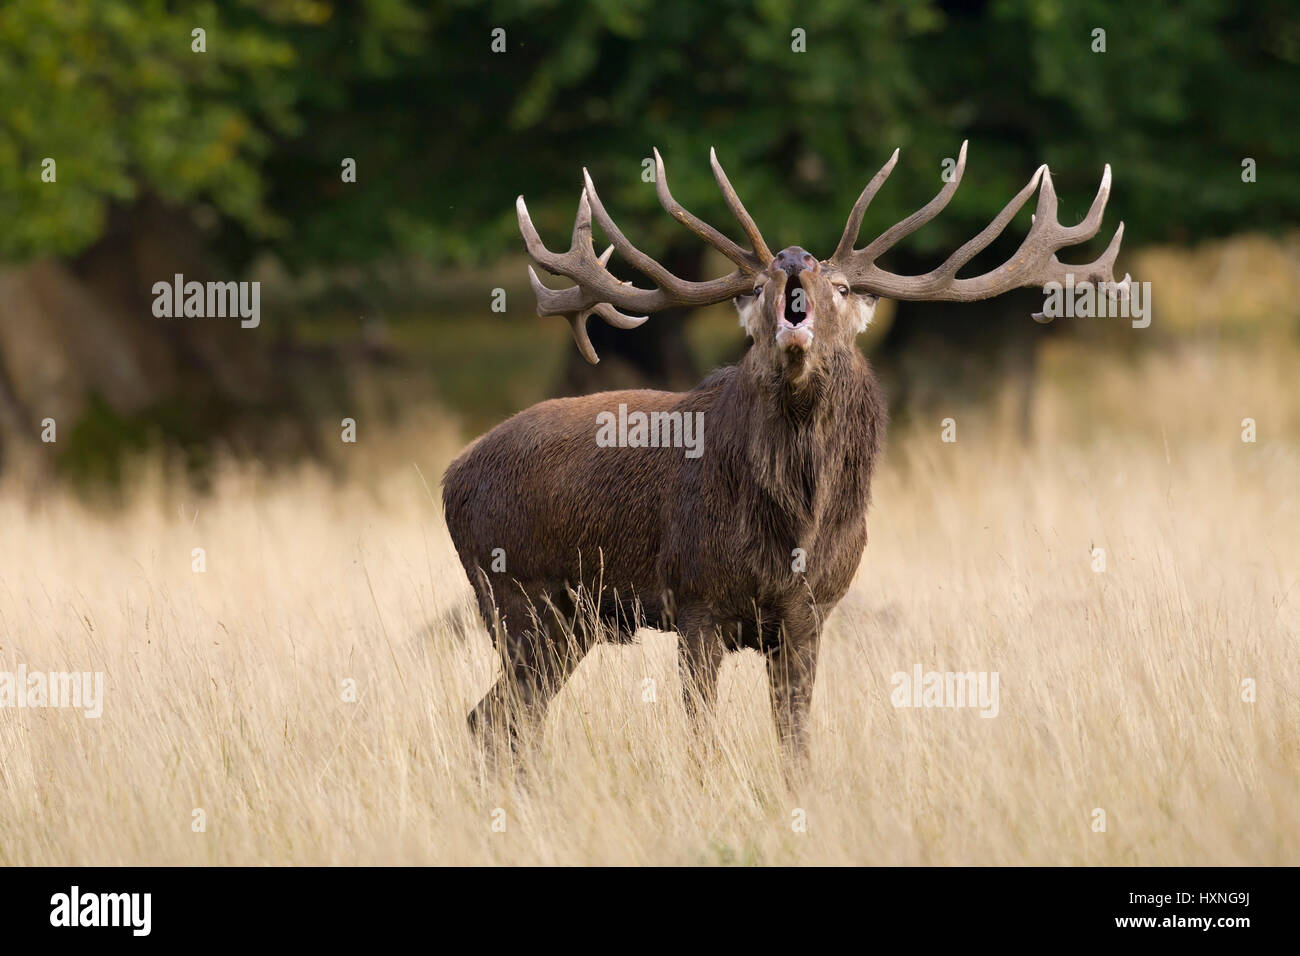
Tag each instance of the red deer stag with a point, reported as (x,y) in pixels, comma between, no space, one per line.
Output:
(751,538)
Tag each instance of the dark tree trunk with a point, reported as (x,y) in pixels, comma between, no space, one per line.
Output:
(655,355)
(150,242)
(80,344)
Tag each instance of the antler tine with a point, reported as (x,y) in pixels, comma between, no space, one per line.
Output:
(607,311)
(738,210)
(533,242)
(1091,223)
(1034,263)
(739,256)
(596,284)
(854,225)
(886,240)
(635,257)
(972,247)
(571,302)
(975,246)
(560,302)
(599,292)
(1099,270)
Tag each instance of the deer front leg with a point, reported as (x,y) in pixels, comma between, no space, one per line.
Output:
(791,671)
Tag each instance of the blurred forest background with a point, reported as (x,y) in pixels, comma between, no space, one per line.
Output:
(227,164)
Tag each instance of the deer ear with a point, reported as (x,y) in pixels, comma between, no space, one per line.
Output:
(866,312)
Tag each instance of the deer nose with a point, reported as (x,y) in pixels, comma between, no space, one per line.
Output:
(794,260)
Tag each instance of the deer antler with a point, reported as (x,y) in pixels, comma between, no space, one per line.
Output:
(599,292)
(1033,264)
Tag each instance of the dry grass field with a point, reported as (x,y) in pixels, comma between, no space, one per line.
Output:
(1121,690)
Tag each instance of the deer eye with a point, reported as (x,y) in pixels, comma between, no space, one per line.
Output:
(758,290)
(841,288)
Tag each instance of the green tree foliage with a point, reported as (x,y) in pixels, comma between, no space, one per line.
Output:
(112,91)
(446,132)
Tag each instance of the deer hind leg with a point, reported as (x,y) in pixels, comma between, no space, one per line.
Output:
(700,649)
(539,649)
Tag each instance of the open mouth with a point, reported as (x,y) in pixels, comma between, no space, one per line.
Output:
(794,327)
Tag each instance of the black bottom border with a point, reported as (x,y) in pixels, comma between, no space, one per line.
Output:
(335,905)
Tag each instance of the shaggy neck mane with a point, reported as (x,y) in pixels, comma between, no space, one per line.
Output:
(808,406)
(798,439)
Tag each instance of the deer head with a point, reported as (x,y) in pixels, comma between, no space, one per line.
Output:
(799,309)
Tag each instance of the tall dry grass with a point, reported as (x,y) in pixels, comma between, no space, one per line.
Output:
(1119,690)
